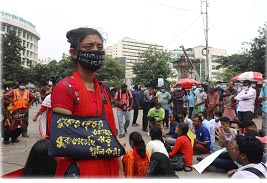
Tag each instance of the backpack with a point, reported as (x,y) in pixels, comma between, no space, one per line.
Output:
(256,171)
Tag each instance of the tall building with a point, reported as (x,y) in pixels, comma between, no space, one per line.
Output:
(44,60)
(198,58)
(128,50)
(27,33)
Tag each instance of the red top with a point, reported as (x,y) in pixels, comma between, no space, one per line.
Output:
(71,94)
(184,146)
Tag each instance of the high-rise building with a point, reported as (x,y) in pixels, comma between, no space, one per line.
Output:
(26,31)
(129,50)
(44,60)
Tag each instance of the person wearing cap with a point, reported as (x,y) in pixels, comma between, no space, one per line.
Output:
(246,100)
(263,99)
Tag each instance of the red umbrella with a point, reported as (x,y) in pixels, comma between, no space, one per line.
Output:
(186,83)
(252,76)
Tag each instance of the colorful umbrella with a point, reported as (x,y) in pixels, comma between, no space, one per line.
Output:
(186,83)
(251,76)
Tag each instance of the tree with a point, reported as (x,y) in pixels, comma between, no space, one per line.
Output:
(65,67)
(257,51)
(112,72)
(252,57)
(152,64)
(12,69)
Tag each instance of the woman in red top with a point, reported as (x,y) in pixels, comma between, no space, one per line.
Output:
(81,95)
(183,144)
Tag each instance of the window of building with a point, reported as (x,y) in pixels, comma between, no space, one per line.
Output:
(24,34)
(3,27)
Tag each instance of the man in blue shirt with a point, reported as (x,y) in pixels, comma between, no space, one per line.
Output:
(192,96)
(263,98)
(202,141)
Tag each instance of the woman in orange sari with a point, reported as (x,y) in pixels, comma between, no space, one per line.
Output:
(136,161)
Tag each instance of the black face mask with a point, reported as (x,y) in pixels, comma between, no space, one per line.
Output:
(91,60)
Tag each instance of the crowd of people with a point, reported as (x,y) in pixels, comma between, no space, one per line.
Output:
(194,121)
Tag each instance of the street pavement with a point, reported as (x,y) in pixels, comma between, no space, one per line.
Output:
(14,156)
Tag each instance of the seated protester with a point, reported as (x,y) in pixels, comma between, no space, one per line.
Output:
(250,125)
(237,126)
(202,140)
(211,129)
(135,161)
(216,120)
(12,127)
(157,113)
(39,163)
(160,166)
(183,144)
(229,132)
(183,118)
(172,135)
(156,144)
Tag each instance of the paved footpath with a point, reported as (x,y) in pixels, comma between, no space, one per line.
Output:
(14,156)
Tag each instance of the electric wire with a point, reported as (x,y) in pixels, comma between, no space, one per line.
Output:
(181,9)
(183,30)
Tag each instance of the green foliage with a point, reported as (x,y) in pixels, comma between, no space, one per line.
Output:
(112,72)
(11,65)
(153,64)
(252,57)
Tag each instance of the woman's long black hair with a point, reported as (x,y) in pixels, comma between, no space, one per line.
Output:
(39,163)
(138,142)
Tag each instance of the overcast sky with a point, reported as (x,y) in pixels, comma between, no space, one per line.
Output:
(170,23)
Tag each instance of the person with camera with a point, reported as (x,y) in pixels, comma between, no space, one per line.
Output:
(123,100)
(156,116)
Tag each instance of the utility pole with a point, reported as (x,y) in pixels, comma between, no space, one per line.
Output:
(206,39)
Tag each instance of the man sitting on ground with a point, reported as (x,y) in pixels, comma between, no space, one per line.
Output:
(202,141)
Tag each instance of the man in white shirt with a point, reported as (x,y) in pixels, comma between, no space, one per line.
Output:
(246,99)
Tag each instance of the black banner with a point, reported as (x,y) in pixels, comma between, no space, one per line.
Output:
(79,137)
